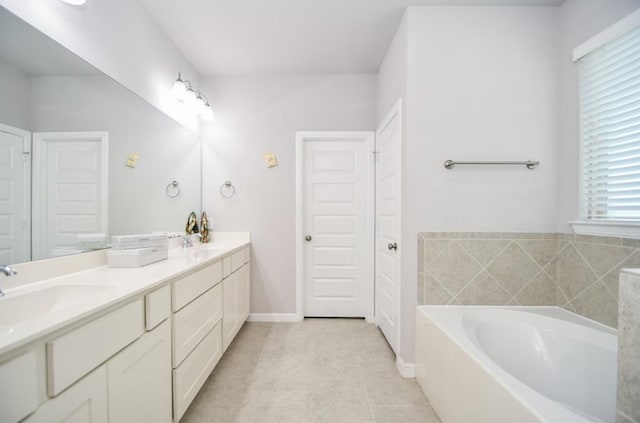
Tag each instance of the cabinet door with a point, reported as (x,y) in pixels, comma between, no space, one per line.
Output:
(244,298)
(140,379)
(229,309)
(83,402)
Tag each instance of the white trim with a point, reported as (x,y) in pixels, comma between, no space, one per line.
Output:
(624,25)
(273,317)
(407,370)
(301,137)
(619,229)
(40,140)
(396,109)
(26,200)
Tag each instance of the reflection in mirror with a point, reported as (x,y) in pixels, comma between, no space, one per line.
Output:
(81,157)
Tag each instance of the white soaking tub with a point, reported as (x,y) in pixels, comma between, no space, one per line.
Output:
(515,364)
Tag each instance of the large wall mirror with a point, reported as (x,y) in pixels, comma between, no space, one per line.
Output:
(81,157)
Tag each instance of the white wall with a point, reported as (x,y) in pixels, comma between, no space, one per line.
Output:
(120,39)
(480,86)
(260,114)
(391,80)
(15,87)
(168,151)
(579,21)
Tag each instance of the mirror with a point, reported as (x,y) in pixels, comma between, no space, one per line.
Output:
(81,157)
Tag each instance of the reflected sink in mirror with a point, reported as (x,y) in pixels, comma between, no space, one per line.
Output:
(23,307)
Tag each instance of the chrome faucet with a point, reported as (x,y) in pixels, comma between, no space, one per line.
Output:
(187,240)
(9,271)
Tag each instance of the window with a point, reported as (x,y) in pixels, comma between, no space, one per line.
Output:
(610,129)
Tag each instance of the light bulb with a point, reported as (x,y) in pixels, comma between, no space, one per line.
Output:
(206,113)
(179,90)
(190,99)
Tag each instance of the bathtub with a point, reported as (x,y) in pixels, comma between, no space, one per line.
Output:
(515,364)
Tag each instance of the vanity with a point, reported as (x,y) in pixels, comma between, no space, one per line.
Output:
(114,345)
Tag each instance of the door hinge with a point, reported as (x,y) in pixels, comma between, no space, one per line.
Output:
(25,155)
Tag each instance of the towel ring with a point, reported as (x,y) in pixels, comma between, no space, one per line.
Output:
(227,190)
(175,187)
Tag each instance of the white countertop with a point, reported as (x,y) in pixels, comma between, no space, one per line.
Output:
(99,288)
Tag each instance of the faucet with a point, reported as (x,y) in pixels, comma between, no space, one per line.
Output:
(9,271)
(187,240)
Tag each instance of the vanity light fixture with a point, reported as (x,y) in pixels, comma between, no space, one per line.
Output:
(75,2)
(190,96)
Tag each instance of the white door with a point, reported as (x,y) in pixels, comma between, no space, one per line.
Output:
(388,248)
(337,199)
(70,190)
(15,195)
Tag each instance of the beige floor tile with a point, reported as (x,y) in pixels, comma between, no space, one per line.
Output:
(410,414)
(388,388)
(319,370)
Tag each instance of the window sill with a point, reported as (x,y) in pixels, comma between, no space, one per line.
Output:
(618,228)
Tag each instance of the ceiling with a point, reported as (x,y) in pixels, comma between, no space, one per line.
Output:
(25,48)
(267,37)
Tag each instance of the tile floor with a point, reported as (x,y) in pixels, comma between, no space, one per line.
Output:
(319,370)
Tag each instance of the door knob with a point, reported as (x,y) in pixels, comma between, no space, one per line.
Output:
(393,246)
(308,238)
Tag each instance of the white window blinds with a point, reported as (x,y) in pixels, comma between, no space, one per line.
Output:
(610,126)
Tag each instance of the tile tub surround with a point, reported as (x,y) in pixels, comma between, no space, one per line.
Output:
(576,272)
(317,370)
(629,347)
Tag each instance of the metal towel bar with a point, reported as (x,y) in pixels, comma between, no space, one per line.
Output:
(530,164)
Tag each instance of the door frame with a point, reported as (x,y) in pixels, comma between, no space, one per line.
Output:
(40,140)
(26,151)
(301,138)
(395,111)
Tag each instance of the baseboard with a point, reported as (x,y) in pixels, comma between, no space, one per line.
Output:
(273,317)
(407,370)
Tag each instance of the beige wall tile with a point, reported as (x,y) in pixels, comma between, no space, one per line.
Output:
(540,291)
(574,275)
(483,290)
(484,250)
(434,292)
(454,268)
(542,251)
(597,303)
(602,258)
(513,268)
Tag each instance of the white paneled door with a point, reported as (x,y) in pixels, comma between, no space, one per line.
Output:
(337,223)
(388,248)
(70,190)
(15,195)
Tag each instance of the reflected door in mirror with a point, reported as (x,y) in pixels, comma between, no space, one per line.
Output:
(15,194)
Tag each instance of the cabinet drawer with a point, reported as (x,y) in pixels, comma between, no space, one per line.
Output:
(194,371)
(157,307)
(187,289)
(76,353)
(193,322)
(18,399)
(226,266)
(237,260)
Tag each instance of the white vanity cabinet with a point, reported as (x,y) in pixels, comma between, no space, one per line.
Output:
(236,295)
(197,345)
(109,369)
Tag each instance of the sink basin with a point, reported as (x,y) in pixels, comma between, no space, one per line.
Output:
(23,307)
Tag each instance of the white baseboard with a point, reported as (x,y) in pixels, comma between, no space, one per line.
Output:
(273,317)
(407,370)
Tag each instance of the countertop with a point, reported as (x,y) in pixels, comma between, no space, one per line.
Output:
(105,288)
